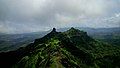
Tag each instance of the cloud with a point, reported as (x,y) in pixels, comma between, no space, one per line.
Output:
(36,15)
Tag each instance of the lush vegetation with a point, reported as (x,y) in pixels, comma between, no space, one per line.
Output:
(70,49)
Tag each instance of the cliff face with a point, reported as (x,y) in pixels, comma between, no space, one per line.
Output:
(73,48)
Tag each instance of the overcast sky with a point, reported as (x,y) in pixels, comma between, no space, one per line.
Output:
(19,16)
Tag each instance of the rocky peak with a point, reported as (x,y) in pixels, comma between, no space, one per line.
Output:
(54,30)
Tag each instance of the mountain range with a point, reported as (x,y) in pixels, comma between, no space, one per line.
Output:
(10,42)
(68,49)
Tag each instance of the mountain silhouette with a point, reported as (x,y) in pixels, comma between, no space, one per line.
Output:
(70,49)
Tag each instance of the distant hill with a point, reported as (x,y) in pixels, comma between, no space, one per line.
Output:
(70,49)
(14,41)
(92,31)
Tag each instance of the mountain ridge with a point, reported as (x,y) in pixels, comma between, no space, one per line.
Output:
(73,48)
(10,42)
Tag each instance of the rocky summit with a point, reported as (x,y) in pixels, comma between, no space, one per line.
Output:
(70,49)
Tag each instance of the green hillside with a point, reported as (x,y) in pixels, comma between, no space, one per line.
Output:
(70,49)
